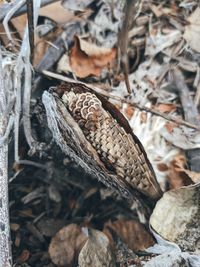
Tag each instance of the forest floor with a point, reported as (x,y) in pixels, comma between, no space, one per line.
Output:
(143,58)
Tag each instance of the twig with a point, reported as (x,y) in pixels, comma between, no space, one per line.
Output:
(129,13)
(5,241)
(123,100)
(5,8)
(190,113)
(9,15)
(30,17)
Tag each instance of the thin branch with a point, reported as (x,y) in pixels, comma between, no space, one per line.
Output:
(9,15)
(123,100)
(5,8)
(129,14)
(30,17)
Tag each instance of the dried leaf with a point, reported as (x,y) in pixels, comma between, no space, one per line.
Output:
(14,226)
(88,59)
(162,167)
(194,176)
(52,10)
(157,42)
(131,232)
(182,137)
(165,108)
(76,5)
(170,126)
(64,65)
(143,117)
(23,256)
(176,176)
(66,244)
(49,227)
(192,31)
(129,111)
(97,251)
(176,217)
(174,259)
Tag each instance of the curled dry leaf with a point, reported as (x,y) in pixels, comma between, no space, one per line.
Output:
(176,217)
(180,167)
(88,59)
(131,232)
(66,244)
(176,175)
(97,251)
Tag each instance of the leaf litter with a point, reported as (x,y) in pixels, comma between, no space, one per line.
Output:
(162,37)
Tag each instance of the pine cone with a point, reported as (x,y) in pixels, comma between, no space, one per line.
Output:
(116,148)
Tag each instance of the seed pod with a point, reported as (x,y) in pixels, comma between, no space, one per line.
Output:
(106,136)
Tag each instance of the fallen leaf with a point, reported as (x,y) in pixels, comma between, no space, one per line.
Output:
(162,167)
(170,126)
(165,108)
(192,30)
(64,65)
(49,227)
(194,176)
(177,177)
(66,244)
(14,226)
(182,137)
(129,111)
(52,10)
(88,59)
(24,256)
(143,117)
(131,232)
(176,217)
(97,251)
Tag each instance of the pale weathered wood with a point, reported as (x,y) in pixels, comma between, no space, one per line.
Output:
(5,243)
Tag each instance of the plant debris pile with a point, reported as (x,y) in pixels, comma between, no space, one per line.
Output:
(140,61)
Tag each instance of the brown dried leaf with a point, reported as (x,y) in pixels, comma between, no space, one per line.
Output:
(177,177)
(66,244)
(97,251)
(88,59)
(143,117)
(170,126)
(165,108)
(194,176)
(162,167)
(131,232)
(129,111)
(24,256)
(14,226)
(51,11)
